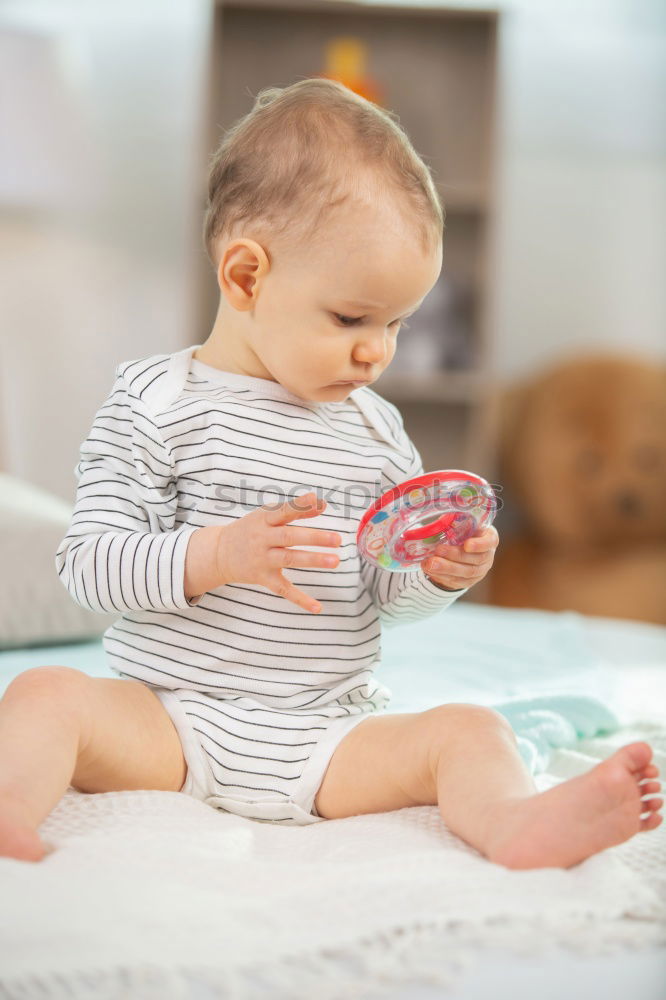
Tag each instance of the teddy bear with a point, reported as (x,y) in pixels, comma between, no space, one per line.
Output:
(582,465)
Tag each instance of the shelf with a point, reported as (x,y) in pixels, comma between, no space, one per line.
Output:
(432,387)
(344,7)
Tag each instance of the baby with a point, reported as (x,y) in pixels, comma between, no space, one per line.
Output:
(219,492)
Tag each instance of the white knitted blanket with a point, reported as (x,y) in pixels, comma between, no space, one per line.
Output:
(153,895)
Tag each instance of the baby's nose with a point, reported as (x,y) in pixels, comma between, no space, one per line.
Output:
(371,351)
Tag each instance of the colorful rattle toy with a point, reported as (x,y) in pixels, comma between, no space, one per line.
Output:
(404,525)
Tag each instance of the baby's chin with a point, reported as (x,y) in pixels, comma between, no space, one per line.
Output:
(340,390)
(347,386)
(327,393)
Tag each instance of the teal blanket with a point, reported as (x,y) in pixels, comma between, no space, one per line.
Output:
(481,654)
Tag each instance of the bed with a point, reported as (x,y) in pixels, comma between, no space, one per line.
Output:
(149,894)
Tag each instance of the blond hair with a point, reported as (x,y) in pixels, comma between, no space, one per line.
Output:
(303,151)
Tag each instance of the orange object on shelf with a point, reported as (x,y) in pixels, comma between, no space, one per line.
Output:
(346,59)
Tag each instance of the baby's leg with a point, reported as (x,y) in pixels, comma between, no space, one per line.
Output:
(59,727)
(464,758)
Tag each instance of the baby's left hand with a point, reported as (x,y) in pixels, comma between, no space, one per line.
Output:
(454,567)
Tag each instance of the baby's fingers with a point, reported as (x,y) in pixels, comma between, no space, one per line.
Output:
(457,554)
(307,505)
(288,558)
(487,541)
(285,588)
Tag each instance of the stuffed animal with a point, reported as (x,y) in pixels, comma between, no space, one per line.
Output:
(582,461)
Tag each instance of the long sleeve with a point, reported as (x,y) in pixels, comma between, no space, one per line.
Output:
(121,552)
(412,596)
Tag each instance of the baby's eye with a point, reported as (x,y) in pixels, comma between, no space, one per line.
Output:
(351,320)
(347,320)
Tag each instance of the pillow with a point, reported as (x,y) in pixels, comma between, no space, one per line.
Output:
(35,607)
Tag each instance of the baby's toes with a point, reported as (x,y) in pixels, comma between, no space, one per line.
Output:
(650,805)
(651,822)
(636,755)
(650,788)
(651,771)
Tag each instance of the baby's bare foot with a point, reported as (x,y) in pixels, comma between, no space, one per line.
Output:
(17,837)
(560,827)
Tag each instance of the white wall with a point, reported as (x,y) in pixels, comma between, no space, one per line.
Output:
(580,254)
(100,179)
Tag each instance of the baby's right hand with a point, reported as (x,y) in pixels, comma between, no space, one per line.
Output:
(256,548)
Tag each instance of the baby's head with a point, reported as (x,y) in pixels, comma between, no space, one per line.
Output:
(325,231)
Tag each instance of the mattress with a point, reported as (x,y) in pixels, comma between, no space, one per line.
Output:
(485,655)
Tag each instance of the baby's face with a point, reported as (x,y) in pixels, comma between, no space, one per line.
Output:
(326,319)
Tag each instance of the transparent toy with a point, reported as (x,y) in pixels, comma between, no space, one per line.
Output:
(402,527)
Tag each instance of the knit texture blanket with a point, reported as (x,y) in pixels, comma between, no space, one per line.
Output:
(154,895)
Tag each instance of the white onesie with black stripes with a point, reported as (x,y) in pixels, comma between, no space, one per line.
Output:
(261,691)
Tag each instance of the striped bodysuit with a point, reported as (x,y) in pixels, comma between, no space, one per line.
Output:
(261,691)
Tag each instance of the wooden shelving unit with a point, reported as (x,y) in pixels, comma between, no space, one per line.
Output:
(438,70)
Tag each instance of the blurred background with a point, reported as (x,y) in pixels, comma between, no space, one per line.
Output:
(543,123)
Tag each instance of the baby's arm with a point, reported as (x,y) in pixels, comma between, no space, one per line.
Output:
(122,550)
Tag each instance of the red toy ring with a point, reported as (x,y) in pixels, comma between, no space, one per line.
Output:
(403,526)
